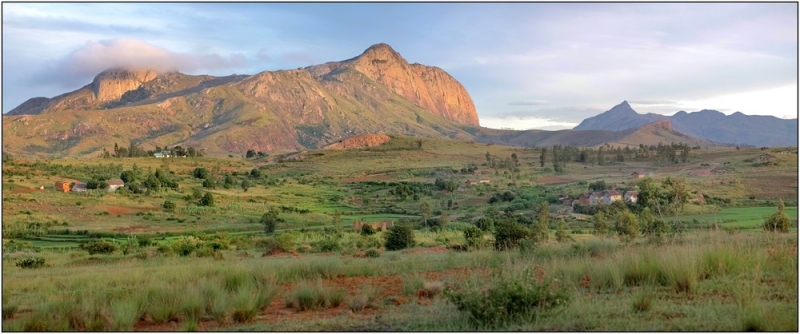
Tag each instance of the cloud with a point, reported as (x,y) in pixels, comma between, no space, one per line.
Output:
(524,123)
(528,103)
(652,102)
(94,57)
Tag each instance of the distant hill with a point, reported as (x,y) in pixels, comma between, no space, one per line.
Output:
(647,134)
(712,125)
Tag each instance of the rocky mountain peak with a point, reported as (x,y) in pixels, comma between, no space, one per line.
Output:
(622,108)
(110,84)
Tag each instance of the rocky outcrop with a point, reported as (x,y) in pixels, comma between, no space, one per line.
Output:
(111,84)
(430,88)
(362,141)
(31,107)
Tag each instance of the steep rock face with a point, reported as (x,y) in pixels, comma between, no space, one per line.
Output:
(362,141)
(109,85)
(431,88)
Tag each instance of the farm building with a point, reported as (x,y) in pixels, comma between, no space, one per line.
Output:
(115,184)
(637,175)
(162,154)
(631,196)
(79,187)
(596,198)
(611,196)
(583,199)
(379,226)
(62,186)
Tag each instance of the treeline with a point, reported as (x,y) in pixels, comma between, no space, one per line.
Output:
(133,151)
(559,155)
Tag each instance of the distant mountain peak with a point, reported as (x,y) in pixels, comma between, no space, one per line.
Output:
(381,52)
(622,108)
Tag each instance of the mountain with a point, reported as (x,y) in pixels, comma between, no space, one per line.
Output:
(648,134)
(377,91)
(712,125)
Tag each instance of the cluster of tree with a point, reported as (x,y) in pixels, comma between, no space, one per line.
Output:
(502,197)
(469,169)
(661,153)
(599,186)
(665,199)
(404,190)
(135,179)
(449,185)
(134,150)
(253,154)
(511,162)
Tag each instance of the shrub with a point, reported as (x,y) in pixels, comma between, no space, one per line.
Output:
(270,221)
(627,226)
(399,237)
(168,205)
(201,173)
(207,200)
(98,247)
(31,262)
(778,221)
(485,224)
(373,253)
(313,296)
(474,237)
(367,229)
(643,302)
(508,299)
(508,234)
(366,298)
(327,244)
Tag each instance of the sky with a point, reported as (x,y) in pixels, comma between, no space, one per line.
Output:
(525,65)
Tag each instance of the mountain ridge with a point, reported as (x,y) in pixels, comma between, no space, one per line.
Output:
(737,128)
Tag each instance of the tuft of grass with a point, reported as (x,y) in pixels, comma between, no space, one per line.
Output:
(643,302)
(366,298)
(308,296)
(412,283)
(163,304)
(124,314)
(433,289)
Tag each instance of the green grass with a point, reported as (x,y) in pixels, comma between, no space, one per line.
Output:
(748,218)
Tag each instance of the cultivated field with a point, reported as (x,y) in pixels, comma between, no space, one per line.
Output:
(268,244)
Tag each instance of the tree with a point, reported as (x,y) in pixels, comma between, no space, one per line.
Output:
(152,183)
(561,233)
(543,156)
(600,225)
(648,195)
(92,184)
(778,221)
(508,233)
(245,185)
(425,211)
(443,219)
(485,224)
(201,173)
(542,231)
(473,236)
(209,183)
(255,173)
(270,221)
(399,237)
(598,186)
(207,200)
(127,176)
(250,154)
(627,226)
(678,192)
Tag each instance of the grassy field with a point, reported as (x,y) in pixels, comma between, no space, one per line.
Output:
(196,267)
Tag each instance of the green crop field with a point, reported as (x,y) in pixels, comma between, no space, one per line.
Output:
(485,241)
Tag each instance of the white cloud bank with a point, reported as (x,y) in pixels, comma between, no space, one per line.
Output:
(524,123)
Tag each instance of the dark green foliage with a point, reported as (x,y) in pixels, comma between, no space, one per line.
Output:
(255,173)
(245,185)
(207,200)
(168,205)
(508,300)
(367,229)
(209,183)
(598,186)
(270,221)
(399,237)
(98,247)
(449,185)
(250,154)
(508,233)
(373,253)
(561,232)
(30,262)
(328,244)
(473,236)
(128,176)
(627,226)
(201,173)
(485,224)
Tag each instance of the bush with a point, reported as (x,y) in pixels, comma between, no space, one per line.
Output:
(31,262)
(474,237)
(627,226)
(373,253)
(201,173)
(508,234)
(399,237)
(485,224)
(98,247)
(778,221)
(367,229)
(168,205)
(327,244)
(207,200)
(508,299)
(270,221)
(311,297)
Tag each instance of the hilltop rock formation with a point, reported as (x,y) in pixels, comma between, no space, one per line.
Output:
(361,141)
(110,84)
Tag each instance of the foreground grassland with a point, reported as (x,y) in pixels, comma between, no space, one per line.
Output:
(99,261)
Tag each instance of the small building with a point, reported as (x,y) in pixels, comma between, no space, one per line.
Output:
(631,196)
(162,154)
(610,196)
(378,226)
(484,181)
(596,198)
(79,187)
(637,175)
(583,199)
(115,184)
(62,186)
